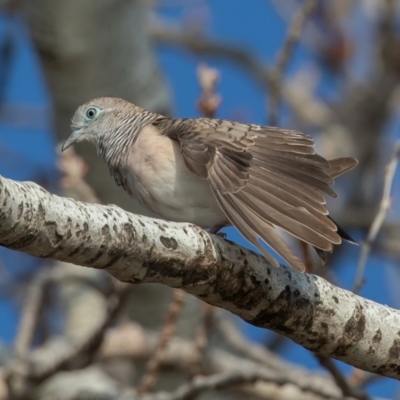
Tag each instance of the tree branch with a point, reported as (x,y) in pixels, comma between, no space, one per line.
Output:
(376,225)
(132,341)
(323,318)
(190,390)
(35,366)
(341,380)
(149,380)
(295,29)
(200,45)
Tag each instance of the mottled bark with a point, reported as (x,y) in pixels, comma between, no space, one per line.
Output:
(309,310)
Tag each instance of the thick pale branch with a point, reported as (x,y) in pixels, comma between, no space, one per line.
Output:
(311,311)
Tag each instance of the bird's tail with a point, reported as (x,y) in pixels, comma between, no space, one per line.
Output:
(339,166)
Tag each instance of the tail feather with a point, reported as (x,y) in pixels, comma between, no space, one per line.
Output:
(339,166)
(342,233)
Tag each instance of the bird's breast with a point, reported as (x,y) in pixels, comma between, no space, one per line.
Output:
(159,178)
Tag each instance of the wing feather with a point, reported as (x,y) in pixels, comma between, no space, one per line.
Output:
(248,223)
(263,178)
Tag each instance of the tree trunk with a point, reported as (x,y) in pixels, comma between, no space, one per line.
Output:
(96,48)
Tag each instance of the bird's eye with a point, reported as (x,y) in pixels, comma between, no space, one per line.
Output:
(91,113)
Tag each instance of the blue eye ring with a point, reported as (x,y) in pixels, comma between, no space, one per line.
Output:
(91,113)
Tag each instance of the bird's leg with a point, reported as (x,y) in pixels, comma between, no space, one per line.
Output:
(215,230)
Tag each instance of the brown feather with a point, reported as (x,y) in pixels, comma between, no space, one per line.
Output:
(309,198)
(265,177)
(339,166)
(285,173)
(295,220)
(252,228)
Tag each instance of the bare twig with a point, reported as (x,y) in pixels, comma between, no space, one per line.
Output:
(341,380)
(34,301)
(221,50)
(299,21)
(153,365)
(30,316)
(379,218)
(253,351)
(116,301)
(296,27)
(259,354)
(239,380)
(43,361)
(209,100)
(311,33)
(85,349)
(312,110)
(131,340)
(201,339)
(191,390)
(30,313)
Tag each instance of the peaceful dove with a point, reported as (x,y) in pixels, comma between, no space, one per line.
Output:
(216,173)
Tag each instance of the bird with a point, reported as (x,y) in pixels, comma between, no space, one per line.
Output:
(216,173)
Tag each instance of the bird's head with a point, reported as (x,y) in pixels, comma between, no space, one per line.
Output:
(96,119)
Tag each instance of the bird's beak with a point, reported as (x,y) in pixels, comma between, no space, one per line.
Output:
(75,135)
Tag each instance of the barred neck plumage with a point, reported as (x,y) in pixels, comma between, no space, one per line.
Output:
(114,147)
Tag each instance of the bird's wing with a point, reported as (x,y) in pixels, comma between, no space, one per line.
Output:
(263,178)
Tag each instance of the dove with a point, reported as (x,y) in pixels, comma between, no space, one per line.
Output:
(215,173)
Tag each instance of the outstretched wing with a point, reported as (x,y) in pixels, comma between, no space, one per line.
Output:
(263,178)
